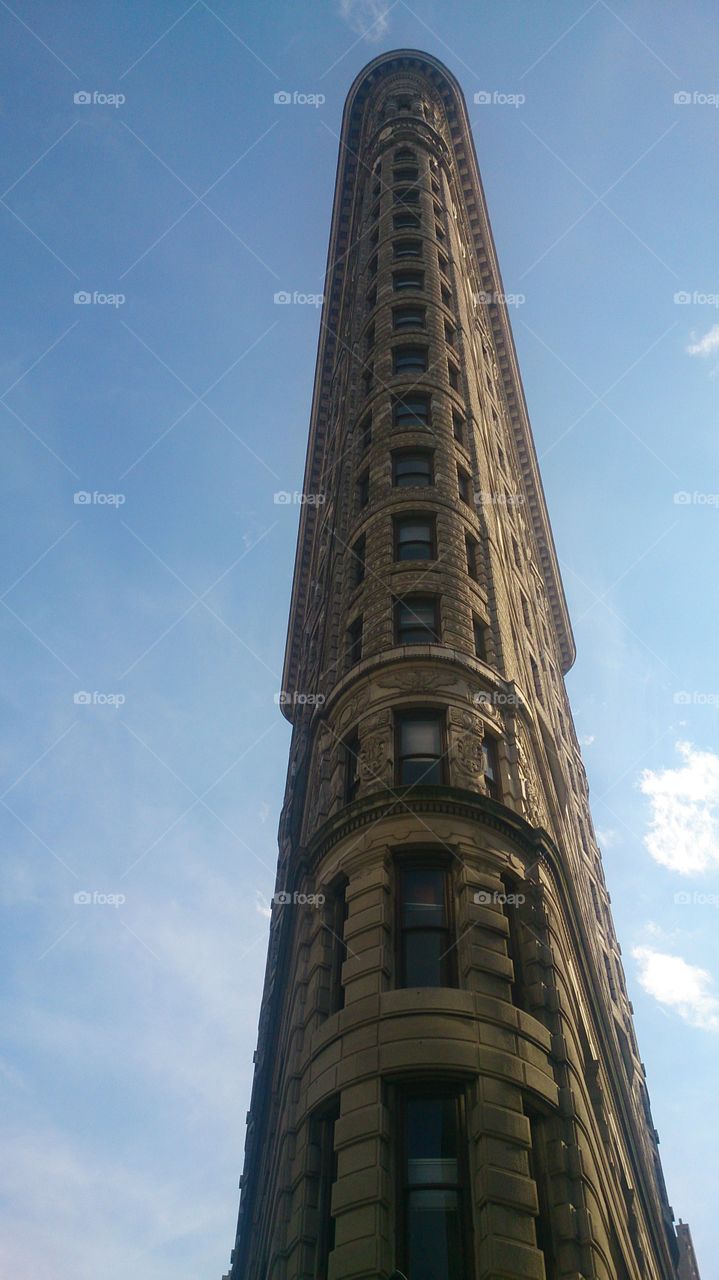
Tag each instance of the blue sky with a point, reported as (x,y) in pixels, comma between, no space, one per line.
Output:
(178,400)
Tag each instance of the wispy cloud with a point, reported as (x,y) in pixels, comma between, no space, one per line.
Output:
(684,987)
(367,17)
(684,825)
(706,346)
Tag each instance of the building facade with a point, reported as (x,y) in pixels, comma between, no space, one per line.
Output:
(447,1080)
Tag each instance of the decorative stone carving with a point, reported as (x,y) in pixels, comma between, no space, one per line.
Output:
(374,763)
(417,681)
(469,759)
(532,803)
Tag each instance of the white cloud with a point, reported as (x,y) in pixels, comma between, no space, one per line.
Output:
(606,837)
(367,17)
(684,987)
(262,906)
(684,825)
(586,739)
(707,345)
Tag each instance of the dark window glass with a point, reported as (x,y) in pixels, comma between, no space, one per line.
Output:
(406,195)
(449,334)
(438,231)
(490,767)
(407,248)
(357,560)
(446,297)
(354,641)
(458,427)
(409,360)
(372,266)
(369,338)
(409,317)
(406,220)
(363,490)
(408,280)
(471,546)
(325,1139)
(351,752)
(433,1208)
(416,620)
(419,748)
(425,942)
(364,433)
(464,485)
(414,538)
(515,553)
(536,679)
(403,154)
(337,913)
(480,638)
(411,411)
(453,375)
(412,469)
(372,297)
(407,173)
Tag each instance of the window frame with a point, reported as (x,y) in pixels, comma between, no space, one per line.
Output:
(399,454)
(434,860)
(433,635)
(407,247)
(435,1091)
(405,418)
(408,280)
(419,310)
(407,351)
(355,640)
(397,543)
(404,714)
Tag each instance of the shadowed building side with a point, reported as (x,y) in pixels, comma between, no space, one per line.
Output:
(447,1079)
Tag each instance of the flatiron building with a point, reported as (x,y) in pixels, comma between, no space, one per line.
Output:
(447,1080)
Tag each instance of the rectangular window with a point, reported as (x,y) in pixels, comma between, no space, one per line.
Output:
(412,468)
(324,1127)
(338,947)
(351,754)
(515,552)
(416,620)
(424,934)
(411,410)
(433,1212)
(364,433)
(480,638)
(354,641)
(450,334)
(464,485)
(458,427)
(409,360)
(407,248)
(409,318)
(446,296)
(414,538)
(406,220)
(408,279)
(369,338)
(363,490)
(472,547)
(525,611)
(490,766)
(536,679)
(408,173)
(406,195)
(453,375)
(419,748)
(357,562)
